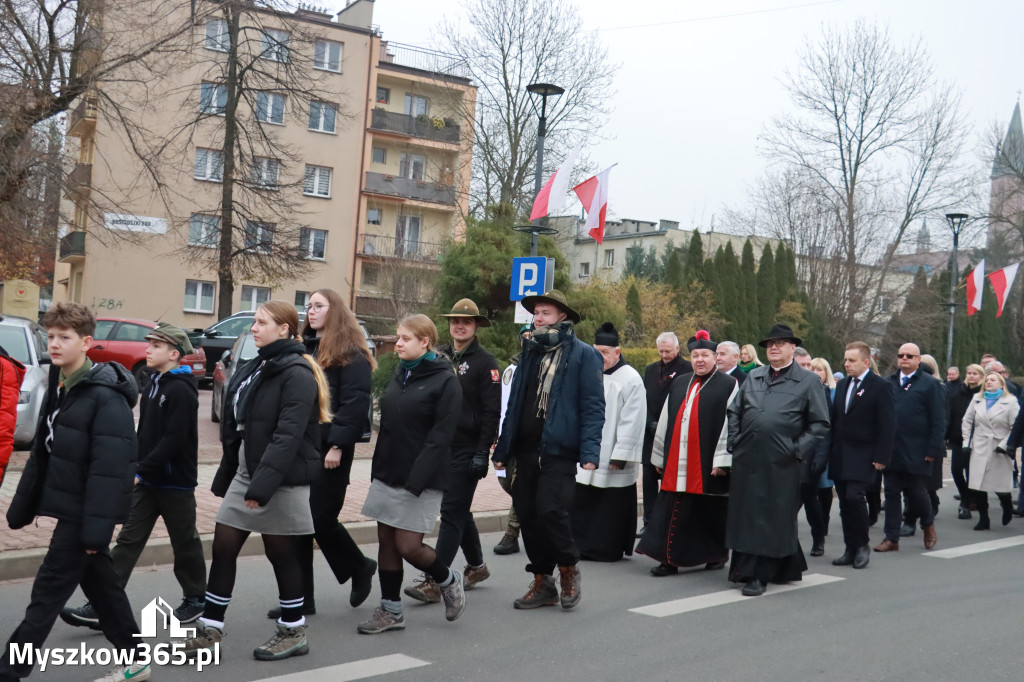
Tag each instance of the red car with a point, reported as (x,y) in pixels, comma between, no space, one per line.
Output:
(123,340)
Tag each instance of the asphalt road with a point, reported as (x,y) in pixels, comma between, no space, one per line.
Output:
(908,616)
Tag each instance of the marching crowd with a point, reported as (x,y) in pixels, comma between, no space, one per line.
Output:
(727,451)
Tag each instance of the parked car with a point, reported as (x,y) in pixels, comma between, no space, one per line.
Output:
(123,340)
(25,341)
(244,349)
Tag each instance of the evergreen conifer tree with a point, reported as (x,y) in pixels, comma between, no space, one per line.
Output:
(767,289)
(748,297)
(693,268)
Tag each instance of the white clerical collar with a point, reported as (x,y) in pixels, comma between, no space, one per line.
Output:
(779,369)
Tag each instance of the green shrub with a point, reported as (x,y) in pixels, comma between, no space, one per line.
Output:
(386,366)
(639,358)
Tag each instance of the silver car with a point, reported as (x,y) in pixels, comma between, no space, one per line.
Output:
(25,341)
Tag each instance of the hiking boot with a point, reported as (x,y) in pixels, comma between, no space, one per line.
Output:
(382,620)
(542,592)
(454,597)
(83,616)
(286,642)
(190,610)
(206,637)
(571,586)
(473,575)
(308,609)
(135,672)
(426,590)
(362,582)
(509,544)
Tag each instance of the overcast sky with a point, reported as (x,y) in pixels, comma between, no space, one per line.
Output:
(700,80)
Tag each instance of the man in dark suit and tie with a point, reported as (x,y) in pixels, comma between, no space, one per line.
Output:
(727,359)
(863,432)
(921,428)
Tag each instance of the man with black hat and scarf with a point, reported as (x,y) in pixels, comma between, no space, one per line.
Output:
(687,525)
(553,422)
(775,424)
(604,508)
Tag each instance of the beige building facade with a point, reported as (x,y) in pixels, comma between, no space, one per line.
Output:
(140,246)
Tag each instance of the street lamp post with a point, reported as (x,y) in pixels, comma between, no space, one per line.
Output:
(542,91)
(956,224)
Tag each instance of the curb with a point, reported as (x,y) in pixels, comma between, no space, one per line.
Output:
(16,564)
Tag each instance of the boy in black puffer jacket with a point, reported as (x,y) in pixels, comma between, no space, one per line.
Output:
(80,473)
(165,479)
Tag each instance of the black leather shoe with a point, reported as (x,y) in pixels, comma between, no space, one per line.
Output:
(907,531)
(661,570)
(863,557)
(362,582)
(1018,512)
(714,565)
(818,548)
(754,588)
(963,514)
(846,559)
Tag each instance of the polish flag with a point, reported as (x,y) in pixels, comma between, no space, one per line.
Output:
(975,288)
(1002,281)
(551,197)
(593,194)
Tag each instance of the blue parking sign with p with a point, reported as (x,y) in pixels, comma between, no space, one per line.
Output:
(528,277)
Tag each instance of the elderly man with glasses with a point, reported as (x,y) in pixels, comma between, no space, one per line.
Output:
(920,431)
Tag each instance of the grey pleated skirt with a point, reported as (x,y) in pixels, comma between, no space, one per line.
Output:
(287,513)
(398,508)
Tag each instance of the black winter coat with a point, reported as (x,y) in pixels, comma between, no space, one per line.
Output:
(281,429)
(88,475)
(864,433)
(418,413)
(480,380)
(959,397)
(921,415)
(351,398)
(169,431)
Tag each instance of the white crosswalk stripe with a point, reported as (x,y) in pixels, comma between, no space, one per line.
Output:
(976,548)
(355,670)
(706,601)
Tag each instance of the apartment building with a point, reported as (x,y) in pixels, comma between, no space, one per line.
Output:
(138,246)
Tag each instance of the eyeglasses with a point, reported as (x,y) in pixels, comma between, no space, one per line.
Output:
(317,307)
(776,342)
(905,356)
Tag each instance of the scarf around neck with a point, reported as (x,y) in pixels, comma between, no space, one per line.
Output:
(748,366)
(551,340)
(410,365)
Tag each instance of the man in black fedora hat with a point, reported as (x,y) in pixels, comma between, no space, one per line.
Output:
(774,425)
(553,422)
(475,433)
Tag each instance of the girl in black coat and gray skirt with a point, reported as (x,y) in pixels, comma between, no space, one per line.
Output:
(418,414)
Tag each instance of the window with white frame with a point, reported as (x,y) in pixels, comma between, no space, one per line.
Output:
(198,296)
(415,105)
(411,166)
(217,37)
(380,155)
(209,165)
(274,45)
(317,181)
(313,243)
(322,116)
(609,258)
(204,230)
(301,300)
(584,269)
(265,172)
(213,98)
(259,236)
(270,107)
(327,55)
(373,216)
(254,297)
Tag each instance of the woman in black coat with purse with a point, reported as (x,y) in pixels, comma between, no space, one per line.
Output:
(418,414)
(333,336)
(273,408)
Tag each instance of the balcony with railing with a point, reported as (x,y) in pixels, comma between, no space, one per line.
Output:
(420,190)
(83,118)
(79,180)
(439,129)
(423,59)
(72,247)
(382,246)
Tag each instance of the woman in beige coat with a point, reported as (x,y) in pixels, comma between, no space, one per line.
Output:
(986,426)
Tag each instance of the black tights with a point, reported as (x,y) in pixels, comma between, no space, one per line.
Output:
(227,545)
(397,544)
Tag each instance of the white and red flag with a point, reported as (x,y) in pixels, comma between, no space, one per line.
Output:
(593,194)
(551,197)
(975,287)
(1002,281)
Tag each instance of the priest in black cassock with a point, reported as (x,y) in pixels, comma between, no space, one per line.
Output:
(775,424)
(687,524)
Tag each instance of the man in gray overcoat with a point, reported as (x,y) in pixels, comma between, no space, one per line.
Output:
(774,425)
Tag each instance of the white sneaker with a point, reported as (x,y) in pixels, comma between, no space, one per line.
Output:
(135,672)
